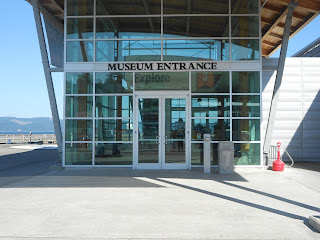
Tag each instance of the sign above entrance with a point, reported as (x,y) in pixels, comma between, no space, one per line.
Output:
(162,66)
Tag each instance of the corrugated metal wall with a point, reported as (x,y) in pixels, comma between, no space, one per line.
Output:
(297,124)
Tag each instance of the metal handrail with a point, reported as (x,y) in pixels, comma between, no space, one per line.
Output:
(273,154)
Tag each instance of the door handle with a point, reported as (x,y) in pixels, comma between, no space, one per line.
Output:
(157,139)
(165,139)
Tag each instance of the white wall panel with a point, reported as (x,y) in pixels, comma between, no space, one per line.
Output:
(297,124)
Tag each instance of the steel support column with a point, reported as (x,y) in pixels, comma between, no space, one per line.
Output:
(275,96)
(47,73)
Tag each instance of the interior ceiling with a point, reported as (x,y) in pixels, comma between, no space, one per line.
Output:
(273,15)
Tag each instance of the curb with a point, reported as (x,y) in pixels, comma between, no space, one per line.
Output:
(314,221)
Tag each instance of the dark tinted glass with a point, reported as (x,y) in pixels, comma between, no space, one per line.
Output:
(114,82)
(79,83)
(210,82)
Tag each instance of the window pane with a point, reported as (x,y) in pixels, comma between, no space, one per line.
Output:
(246,106)
(114,82)
(218,128)
(194,50)
(113,154)
(245,82)
(78,154)
(197,6)
(197,153)
(78,130)
(79,83)
(246,130)
(79,106)
(114,130)
(247,154)
(203,26)
(210,106)
(112,51)
(162,81)
(79,7)
(245,26)
(128,28)
(112,106)
(245,49)
(80,51)
(210,82)
(245,6)
(80,28)
(128,7)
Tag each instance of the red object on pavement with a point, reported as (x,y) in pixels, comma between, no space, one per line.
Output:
(278,165)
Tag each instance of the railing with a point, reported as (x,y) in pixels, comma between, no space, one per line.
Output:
(273,154)
(27,138)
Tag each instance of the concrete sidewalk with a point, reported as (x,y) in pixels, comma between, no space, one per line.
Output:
(130,204)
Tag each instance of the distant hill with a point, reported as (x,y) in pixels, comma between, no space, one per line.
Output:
(12,124)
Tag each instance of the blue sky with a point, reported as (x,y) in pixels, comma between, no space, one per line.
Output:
(23,91)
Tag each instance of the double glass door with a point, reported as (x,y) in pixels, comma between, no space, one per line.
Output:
(161,132)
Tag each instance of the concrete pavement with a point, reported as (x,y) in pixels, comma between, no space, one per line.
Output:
(130,204)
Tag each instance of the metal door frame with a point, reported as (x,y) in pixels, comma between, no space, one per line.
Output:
(161,95)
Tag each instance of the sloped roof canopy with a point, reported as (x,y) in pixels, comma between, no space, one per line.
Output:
(273,15)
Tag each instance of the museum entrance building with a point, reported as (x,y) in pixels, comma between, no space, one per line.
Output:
(145,80)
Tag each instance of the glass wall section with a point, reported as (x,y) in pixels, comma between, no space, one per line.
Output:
(79,83)
(210,82)
(246,117)
(195,50)
(210,112)
(113,118)
(78,118)
(167,30)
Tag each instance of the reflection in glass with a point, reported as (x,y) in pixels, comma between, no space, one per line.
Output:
(197,153)
(113,154)
(245,49)
(247,154)
(245,6)
(79,7)
(79,106)
(79,83)
(78,130)
(148,152)
(114,106)
(218,128)
(114,130)
(79,51)
(246,130)
(128,27)
(197,6)
(162,81)
(246,106)
(114,82)
(175,151)
(245,82)
(175,118)
(148,118)
(128,7)
(210,82)
(138,50)
(243,26)
(196,26)
(210,106)
(78,154)
(79,28)
(194,50)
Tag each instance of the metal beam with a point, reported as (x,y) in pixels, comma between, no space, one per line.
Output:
(188,18)
(147,8)
(48,77)
(275,95)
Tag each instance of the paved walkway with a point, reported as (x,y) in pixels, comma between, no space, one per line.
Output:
(130,204)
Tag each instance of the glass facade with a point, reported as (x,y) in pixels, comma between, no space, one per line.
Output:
(108,119)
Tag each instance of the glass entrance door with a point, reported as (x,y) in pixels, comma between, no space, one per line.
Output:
(161,132)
